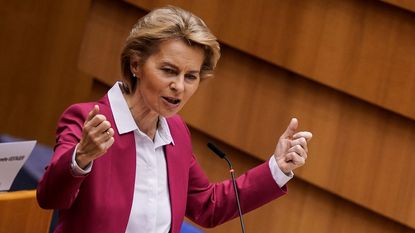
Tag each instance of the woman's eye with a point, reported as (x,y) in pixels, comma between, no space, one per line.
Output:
(191,77)
(168,70)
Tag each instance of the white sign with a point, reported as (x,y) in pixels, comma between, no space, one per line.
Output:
(12,157)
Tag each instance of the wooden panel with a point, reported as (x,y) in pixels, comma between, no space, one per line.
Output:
(20,213)
(405,4)
(306,208)
(39,44)
(106,26)
(250,102)
(364,48)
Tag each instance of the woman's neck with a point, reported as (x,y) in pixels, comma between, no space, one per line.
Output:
(145,118)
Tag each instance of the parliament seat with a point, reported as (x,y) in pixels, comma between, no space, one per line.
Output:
(20,213)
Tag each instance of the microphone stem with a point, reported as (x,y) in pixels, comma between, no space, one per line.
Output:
(236,194)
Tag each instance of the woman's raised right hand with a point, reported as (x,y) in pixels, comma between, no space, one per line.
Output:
(97,137)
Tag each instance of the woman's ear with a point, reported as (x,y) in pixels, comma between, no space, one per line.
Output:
(134,64)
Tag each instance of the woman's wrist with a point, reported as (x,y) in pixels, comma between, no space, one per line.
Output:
(81,160)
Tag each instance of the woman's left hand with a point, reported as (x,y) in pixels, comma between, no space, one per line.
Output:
(291,151)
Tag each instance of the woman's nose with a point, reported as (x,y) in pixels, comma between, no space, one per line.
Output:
(177,84)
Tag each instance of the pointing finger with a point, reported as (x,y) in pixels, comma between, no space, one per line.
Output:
(301,142)
(93,112)
(99,122)
(298,150)
(289,132)
(303,134)
(109,143)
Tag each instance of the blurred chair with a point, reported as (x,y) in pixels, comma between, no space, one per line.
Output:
(33,169)
(20,213)
(189,228)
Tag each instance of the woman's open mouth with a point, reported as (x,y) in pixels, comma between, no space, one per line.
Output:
(171,100)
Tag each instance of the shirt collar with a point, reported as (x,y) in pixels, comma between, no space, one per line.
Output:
(163,136)
(125,122)
(122,116)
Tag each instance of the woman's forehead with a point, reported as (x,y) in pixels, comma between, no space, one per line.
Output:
(179,53)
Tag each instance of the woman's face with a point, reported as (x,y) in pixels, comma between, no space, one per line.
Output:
(169,77)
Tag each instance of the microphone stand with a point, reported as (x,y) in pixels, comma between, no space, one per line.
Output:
(222,155)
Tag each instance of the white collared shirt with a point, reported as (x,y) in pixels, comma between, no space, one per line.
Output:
(151,209)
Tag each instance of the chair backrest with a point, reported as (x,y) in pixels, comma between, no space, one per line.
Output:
(189,228)
(20,213)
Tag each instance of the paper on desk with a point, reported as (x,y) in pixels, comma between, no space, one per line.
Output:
(12,157)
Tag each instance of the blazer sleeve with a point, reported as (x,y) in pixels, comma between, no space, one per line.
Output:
(211,204)
(59,187)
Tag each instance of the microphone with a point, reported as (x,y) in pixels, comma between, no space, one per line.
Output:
(222,155)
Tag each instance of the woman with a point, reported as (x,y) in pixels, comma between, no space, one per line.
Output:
(125,163)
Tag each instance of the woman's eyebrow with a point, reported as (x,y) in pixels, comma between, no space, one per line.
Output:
(166,63)
(194,72)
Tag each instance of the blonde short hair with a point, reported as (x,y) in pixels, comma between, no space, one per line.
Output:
(168,23)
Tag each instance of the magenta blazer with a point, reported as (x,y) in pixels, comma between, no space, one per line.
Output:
(101,201)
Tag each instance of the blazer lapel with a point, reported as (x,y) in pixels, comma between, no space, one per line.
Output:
(178,157)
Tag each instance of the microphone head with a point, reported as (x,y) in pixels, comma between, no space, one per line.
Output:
(216,150)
